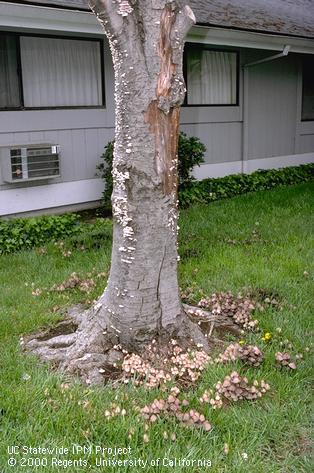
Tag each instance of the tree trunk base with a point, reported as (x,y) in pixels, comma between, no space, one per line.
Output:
(83,345)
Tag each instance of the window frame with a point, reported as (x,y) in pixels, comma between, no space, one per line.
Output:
(22,107)
(200,46)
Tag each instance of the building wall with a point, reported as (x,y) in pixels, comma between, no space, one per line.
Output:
(81,144)
(219,128)
(272,106)
(274,109)
(265,129)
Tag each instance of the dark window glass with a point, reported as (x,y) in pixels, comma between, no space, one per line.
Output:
(308,89)
(9,79)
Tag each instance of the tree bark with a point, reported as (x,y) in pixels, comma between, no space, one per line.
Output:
(146,40)
(142,299)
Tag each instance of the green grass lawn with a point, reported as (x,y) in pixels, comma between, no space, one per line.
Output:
(260,241)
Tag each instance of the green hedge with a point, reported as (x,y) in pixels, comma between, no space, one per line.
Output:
(24,233)
(209,190)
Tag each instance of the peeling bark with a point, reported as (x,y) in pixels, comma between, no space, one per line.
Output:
(163,114)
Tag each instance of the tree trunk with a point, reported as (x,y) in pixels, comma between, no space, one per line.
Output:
(146,39)
(142,299)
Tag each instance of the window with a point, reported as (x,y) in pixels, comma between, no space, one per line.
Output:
(49,72)
(211,76)
(308,89)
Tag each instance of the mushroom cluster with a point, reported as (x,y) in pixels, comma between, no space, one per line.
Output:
(238,308)
(191,363)
(214,399)
(75,281)
(173,406)
(236,387)
(114,412)
(157,366)
(249,354)
(284,359)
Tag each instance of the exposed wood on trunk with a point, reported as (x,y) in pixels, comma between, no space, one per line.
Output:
(164,49)
(163,115)
(166,129)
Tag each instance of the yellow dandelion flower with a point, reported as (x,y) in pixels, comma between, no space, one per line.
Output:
(267,336)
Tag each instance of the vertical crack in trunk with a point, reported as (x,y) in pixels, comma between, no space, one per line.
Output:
(159,321)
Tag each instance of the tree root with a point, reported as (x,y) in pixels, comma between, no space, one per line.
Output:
(208,321)
(82,344)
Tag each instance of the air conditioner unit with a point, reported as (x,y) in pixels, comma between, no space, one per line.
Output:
(30,162)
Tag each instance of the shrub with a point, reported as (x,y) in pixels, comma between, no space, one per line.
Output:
(209,190)
(190,153)
(92,236)
(105,169)
(24,233)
